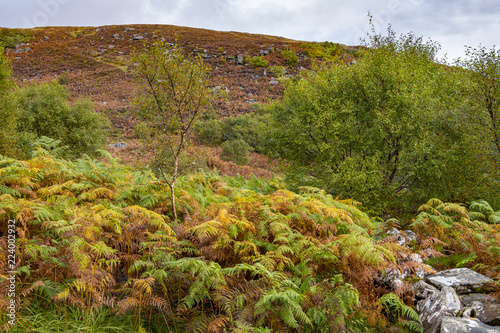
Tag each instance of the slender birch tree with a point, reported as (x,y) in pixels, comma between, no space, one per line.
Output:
(173,96)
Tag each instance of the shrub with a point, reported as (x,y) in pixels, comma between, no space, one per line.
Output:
(10,38)
(291,58)
(8,109)
(44,111)
(235,151)
(384,128)
(142,131)
(246,127)
(257,61)
(277,71)
(63,79)
(327,50)
(209,132)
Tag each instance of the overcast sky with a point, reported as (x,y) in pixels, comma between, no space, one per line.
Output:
(452,23)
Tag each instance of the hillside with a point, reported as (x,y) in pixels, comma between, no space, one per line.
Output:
(94,61)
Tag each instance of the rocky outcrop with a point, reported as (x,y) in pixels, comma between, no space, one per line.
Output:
(466,325)
(486,308)
(423,290)
(402,238)
(436,306)
(463,280)
(439,306)
(477,310)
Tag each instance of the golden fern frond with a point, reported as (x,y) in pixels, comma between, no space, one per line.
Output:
(126,305)
(144,285)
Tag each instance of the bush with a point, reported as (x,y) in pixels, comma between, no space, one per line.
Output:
(257,61)
(246,127)
(44,111)
(10,38)
(8,109)
(235,151)
(277,71)
(209,132)
(142,131)
(327,50)
(291,57)
(379,131)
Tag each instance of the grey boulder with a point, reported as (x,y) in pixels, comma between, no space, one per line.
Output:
(484,307)
(423,290)
(436,306)
(463,280)
(465,325)
(119,145)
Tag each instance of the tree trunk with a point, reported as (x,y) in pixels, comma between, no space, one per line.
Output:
(172,199)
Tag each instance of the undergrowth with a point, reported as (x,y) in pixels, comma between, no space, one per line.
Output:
(96,240)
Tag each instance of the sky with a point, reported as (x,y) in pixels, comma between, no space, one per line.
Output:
(451,23)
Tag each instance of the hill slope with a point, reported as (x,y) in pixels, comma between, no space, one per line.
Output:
(94,62)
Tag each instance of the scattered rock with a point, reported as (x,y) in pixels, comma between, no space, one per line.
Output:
(401,238)
(129,29)
(240,59)
(116,35)
(119,145)
(423,290)
(393,277)
(274,82)
(463,280)
(436,306)
(484,307)
(465,325)
(138,37)
(264,52)
(410,236)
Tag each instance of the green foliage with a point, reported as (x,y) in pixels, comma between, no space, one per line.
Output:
(236,151)
(10,38)
(163,162)
(209,132)
(63,79)
(247,127)
(277,71)
(8,109)
(257,61)
(483,72)
(44,111)
(142,131)
(380,130)
(404,316)
(327,50)
(291,57)
(174,96)
(248,255)
(481,210)
(470,234)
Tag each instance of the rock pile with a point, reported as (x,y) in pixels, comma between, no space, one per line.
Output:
(450,301)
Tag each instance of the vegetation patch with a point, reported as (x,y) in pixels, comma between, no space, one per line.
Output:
(11,38)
